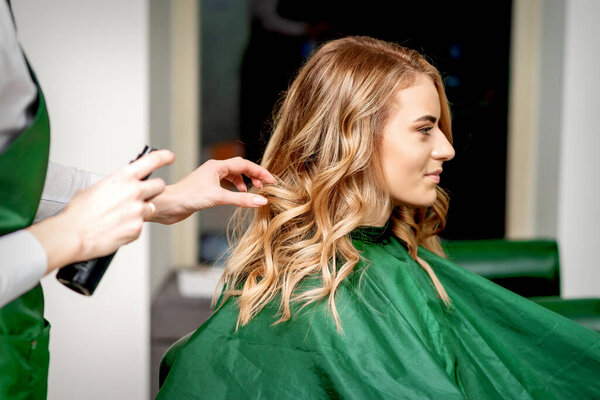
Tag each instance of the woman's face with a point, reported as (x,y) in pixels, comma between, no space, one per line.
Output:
(413,147)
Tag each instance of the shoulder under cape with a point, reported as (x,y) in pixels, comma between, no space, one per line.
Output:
(399,342)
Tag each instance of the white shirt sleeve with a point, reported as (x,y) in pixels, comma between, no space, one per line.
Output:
(61,184)
(24,263)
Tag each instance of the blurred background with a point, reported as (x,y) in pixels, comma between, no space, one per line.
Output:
(202,77)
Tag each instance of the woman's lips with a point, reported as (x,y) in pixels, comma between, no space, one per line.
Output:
(434,176)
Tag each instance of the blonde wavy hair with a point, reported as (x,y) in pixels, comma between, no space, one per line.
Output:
(324,153)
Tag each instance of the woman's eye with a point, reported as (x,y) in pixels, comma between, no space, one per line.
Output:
(425,130)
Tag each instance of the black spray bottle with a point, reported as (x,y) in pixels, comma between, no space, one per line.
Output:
(83,277)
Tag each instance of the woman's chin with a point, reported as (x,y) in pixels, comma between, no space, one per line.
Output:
(418,202)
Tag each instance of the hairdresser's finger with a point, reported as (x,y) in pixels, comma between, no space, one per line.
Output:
(238,181)
(240,199)
(152,188)
(150,162)
(237,165)
(257,183)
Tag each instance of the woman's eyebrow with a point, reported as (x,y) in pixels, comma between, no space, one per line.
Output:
(429,118)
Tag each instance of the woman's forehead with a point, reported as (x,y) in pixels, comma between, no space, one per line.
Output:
(419,99)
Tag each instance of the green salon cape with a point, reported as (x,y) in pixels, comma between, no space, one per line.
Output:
(399,342)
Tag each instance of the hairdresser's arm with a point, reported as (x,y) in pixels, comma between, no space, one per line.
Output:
(202,189)
(96,222)
(100,219)
(24,260)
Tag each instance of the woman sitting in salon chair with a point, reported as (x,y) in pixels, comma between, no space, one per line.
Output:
(339,287)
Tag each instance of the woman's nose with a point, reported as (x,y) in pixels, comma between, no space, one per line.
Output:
(443,150)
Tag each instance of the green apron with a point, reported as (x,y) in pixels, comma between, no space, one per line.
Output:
(24,333)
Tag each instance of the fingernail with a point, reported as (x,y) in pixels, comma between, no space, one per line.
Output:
(259,200)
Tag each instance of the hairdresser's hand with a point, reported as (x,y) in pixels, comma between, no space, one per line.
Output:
(105,216)
(202,189)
